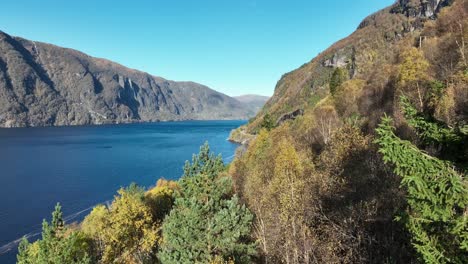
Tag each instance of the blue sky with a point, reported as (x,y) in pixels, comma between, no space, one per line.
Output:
(233,46)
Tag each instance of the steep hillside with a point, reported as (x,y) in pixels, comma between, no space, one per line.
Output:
(361,155)
(368,55)
(46,85)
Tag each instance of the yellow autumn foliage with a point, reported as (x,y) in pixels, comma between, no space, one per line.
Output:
(125,230)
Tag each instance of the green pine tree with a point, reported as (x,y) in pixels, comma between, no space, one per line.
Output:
(57,223)
(203,163)
(338,77)
(452,142)
(206,222)
(437,197)
(23,252)
(267,122)
(55,247)
(429,130)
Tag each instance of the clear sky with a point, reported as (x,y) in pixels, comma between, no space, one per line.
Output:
(233,46)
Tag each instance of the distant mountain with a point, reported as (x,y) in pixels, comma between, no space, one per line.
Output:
(254,103)
(46,85)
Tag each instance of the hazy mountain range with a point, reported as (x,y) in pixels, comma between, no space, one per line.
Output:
(253,102)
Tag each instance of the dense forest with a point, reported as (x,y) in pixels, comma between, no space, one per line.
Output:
(361,156)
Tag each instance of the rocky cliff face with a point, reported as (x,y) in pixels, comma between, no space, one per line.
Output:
(46,85)
(420,8)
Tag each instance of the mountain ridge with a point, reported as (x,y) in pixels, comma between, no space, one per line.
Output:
(43,84)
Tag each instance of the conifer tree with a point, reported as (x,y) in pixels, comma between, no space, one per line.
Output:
(437,197)
(57,219)
(338,77)
(23,252)
(267,122)
(56,246)
(428,130)
(206,223)
(452,142)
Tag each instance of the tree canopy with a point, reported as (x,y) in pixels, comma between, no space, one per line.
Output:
(207,222)
(58,244)
(437,198)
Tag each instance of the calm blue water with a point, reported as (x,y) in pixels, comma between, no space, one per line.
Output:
(84,166)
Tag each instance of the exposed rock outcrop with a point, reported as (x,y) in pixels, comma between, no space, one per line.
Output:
(341,58)
(290,116)
(420,8)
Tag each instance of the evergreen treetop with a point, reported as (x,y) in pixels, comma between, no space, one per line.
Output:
(437,197)
(206,223)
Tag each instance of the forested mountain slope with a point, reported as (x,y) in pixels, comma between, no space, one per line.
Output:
(368,57)
(330,182)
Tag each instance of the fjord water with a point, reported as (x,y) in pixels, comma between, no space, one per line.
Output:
(84,166)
